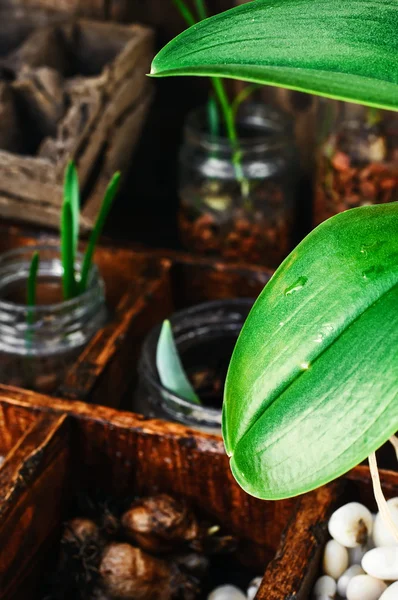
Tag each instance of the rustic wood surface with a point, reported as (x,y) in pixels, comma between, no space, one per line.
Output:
(291,574)
(83,89)
(121,453)
(142,289)
(33,482)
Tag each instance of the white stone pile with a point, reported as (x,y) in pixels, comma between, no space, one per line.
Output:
(231,592)
(360,562)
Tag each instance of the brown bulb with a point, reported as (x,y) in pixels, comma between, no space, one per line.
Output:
(80,531)
(160,523)
(129,573)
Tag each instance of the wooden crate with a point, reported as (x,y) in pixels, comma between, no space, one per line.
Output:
(297,564)
(69,89)
(73,445)
(142,289)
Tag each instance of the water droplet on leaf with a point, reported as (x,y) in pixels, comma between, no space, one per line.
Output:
(367,249)
(297,286)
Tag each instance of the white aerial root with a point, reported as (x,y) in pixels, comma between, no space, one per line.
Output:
(394,441)
(380,499)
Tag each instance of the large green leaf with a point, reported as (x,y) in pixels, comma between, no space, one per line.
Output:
(344,49)
(312,387)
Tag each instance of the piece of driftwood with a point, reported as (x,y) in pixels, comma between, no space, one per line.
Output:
(72,89)
(296,566)
(118,454)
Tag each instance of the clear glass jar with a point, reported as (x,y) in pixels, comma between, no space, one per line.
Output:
(38,344)
(205,336)
(357,158)
(216,217)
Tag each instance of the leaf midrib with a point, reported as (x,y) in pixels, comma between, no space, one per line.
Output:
(300,373)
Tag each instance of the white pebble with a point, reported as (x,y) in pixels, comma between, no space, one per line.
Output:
(381,533)
(346,577)
(382,563)
(253,588)
(226,592)
(356,554)
(325,587)
(351,524)
(335,559)
(391,592)
(365,587)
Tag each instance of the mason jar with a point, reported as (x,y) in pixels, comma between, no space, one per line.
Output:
(356,158)
(205,336)
(38,344)
(244,212)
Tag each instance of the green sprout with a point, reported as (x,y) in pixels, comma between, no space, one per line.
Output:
(169,366)
(72,284)
(229,110)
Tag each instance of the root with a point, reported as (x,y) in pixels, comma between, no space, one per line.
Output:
(394,441)
(380,499)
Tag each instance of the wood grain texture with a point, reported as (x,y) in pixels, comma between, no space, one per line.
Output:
(142,289)
(84,92)
(121,453)
(32,486)
(290,575)
(14,422)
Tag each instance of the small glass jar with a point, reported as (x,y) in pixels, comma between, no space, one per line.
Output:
(205,336)
(38,344)
(250,222)
(357,158)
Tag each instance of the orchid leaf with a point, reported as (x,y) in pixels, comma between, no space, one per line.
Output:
(170,370)
(335,48)
(312,387)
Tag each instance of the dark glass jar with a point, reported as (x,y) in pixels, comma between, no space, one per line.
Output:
(357,158)
(38,344)
(220,216)
(205,336)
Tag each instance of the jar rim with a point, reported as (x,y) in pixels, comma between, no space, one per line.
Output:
(150,367)
(275,128)
(93,281)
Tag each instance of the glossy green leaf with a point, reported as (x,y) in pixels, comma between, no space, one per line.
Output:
(343,49)
(106,205)
(312,387)
(170,370)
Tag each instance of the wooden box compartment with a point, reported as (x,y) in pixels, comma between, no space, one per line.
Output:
(194,280)
(96,449)
(142,289)
(69,89)
(297,564)
(135,285)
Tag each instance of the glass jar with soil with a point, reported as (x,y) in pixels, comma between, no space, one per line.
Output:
(238,203)
(357,158)
(205,336)
(39,343)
